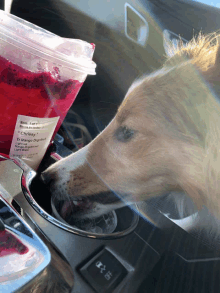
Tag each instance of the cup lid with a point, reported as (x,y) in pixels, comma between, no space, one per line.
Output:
(73,53)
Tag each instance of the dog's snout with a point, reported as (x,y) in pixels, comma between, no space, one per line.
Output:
(45,178)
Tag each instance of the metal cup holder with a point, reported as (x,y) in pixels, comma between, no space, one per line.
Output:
(34,192)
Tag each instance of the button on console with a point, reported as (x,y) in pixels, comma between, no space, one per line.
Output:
(104,272)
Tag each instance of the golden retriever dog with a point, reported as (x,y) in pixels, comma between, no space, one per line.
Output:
(165,137)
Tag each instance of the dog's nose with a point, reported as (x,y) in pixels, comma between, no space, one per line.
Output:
(47,178)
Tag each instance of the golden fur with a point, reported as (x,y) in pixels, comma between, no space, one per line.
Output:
(175,116)
(196,66)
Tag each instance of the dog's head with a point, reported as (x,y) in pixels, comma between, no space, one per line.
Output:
(161,139)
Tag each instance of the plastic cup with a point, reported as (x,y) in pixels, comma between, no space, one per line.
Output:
(40,76)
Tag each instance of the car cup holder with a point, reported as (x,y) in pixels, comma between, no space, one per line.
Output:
(121,222)
(105,224)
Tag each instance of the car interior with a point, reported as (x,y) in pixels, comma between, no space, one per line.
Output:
(164,250)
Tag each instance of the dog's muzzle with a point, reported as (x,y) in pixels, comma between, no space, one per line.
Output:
(46,178)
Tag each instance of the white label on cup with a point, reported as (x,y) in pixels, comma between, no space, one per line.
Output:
(31,138)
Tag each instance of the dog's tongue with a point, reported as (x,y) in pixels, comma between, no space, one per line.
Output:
(66,209)
(73,207)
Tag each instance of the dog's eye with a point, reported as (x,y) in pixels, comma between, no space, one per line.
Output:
(124,134)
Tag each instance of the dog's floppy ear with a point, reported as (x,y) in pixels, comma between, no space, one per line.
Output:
(200,51)
(212,74)
(203,52)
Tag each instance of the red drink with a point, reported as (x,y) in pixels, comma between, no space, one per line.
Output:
(40,76)
(9,244)
(32,94)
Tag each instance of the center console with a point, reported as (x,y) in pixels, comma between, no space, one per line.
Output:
(52,256)
(75,260)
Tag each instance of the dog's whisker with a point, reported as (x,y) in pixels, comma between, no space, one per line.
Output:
(108,102)
(101,109)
